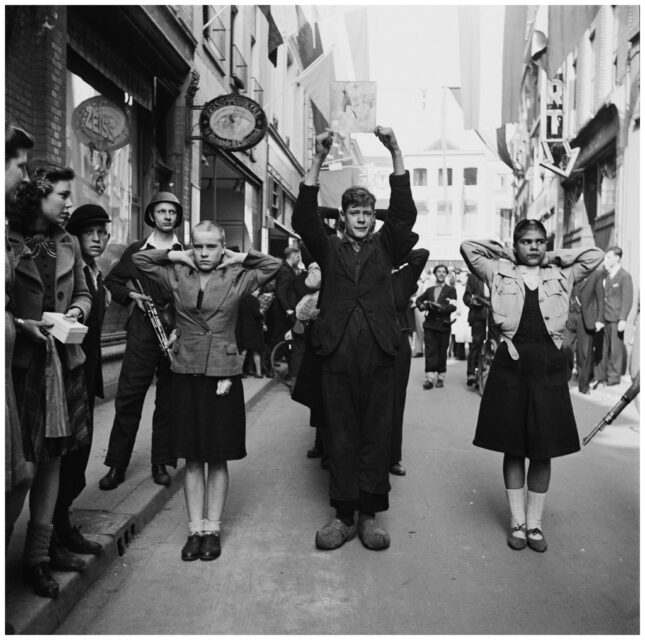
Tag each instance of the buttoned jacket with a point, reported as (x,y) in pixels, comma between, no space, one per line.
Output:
(619,296)
(438,319)
(28,293)
(353,279)
(557,274)
(206,344)
(591,297)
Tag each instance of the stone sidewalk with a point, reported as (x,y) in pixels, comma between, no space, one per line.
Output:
(112,518)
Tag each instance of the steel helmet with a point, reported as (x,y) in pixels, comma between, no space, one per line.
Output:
(163,196)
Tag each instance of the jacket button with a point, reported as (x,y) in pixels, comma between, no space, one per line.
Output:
(541,299)
(59,295)
(546,317)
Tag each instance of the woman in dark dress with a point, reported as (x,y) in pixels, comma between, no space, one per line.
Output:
(207,283)
(48,376)
(526,409)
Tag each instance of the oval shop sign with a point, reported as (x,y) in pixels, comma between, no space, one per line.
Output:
(101,124)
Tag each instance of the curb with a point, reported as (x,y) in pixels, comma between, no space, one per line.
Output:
(30,614)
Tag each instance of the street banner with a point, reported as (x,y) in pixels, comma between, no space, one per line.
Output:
(353,106)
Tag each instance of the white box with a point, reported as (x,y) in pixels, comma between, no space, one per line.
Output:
(64,330)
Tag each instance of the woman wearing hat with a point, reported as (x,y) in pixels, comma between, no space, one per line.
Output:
(143,359)
(48,376)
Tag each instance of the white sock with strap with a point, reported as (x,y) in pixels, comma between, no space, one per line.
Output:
(517,503)
(534,513)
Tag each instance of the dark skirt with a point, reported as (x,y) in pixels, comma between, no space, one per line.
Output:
(29,385)
(526,408)
(207,427)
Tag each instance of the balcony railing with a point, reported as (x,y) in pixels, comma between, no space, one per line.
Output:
(239,70)
(257,92)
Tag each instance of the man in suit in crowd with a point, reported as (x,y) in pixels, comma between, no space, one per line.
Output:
(89,224)
(585,321)
(439,302)
(619,297)
(476,300)
(143,357)
(357,336)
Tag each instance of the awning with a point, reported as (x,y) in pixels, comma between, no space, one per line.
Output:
(281,230)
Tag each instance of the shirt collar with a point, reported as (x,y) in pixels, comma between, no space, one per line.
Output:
(355,244)
(149,243)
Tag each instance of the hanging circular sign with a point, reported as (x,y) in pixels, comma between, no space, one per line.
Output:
(101,124)
(233,122)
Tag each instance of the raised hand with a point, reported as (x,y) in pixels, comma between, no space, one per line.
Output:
(387,138)
(231,257)
(323,144)
(182,257)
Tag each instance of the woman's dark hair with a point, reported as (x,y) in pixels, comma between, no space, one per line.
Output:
(440,266)
(44,175)
(15,139)
(357,197)
(527,225)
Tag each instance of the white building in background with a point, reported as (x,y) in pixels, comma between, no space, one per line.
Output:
(475,200)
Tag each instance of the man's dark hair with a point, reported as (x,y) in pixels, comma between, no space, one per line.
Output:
(526,225)
(15,139)
(617,251)
(357,197)
(440,266)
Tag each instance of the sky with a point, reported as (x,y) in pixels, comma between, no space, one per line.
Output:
(414,52)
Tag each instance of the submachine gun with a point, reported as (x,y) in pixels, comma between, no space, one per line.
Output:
(615,411)
(155,321)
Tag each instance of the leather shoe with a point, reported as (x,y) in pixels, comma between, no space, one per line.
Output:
(314,452)
(73,540)
(470,380)
(397,469)
(112,479)
(334,535)
(60,559)
(537,544)
(192,548)
(211,547)
(372,536)
(160,475)
(41,581)
(516,542)
(439,383)
(427,384)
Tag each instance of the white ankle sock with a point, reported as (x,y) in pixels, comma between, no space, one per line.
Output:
(195,526)
(516,502)
(211,526)
(534,511)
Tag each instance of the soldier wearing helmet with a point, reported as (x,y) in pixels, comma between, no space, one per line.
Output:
(143,358)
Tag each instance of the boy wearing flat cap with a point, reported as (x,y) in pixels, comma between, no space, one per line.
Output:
(89,223)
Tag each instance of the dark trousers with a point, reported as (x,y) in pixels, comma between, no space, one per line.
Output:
(611,366)
(141,361)
(478,330)
(357,386)
(299,343)
(584,355)
(401,376)
(436,348)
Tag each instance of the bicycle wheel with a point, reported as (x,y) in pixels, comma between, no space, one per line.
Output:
(485,361)
(280,355)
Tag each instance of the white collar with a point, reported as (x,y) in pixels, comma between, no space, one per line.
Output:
(149,241)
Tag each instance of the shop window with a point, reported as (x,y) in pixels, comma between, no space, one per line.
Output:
(470,176)
(469,219)
(440,177)
(607,187)
(106,178)
(444,218)
(214,30)
(419,177)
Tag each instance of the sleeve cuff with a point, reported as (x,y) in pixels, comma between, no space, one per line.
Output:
(400,179)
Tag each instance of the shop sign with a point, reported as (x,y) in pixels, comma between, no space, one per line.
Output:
(233,122)
(101,124)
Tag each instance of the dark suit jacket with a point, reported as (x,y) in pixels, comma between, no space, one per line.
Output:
(590,295)
(28,292)
(364,278)
(285,295)
(438,319)
(619,296)
(92,342)
(475,287)
(404,283)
